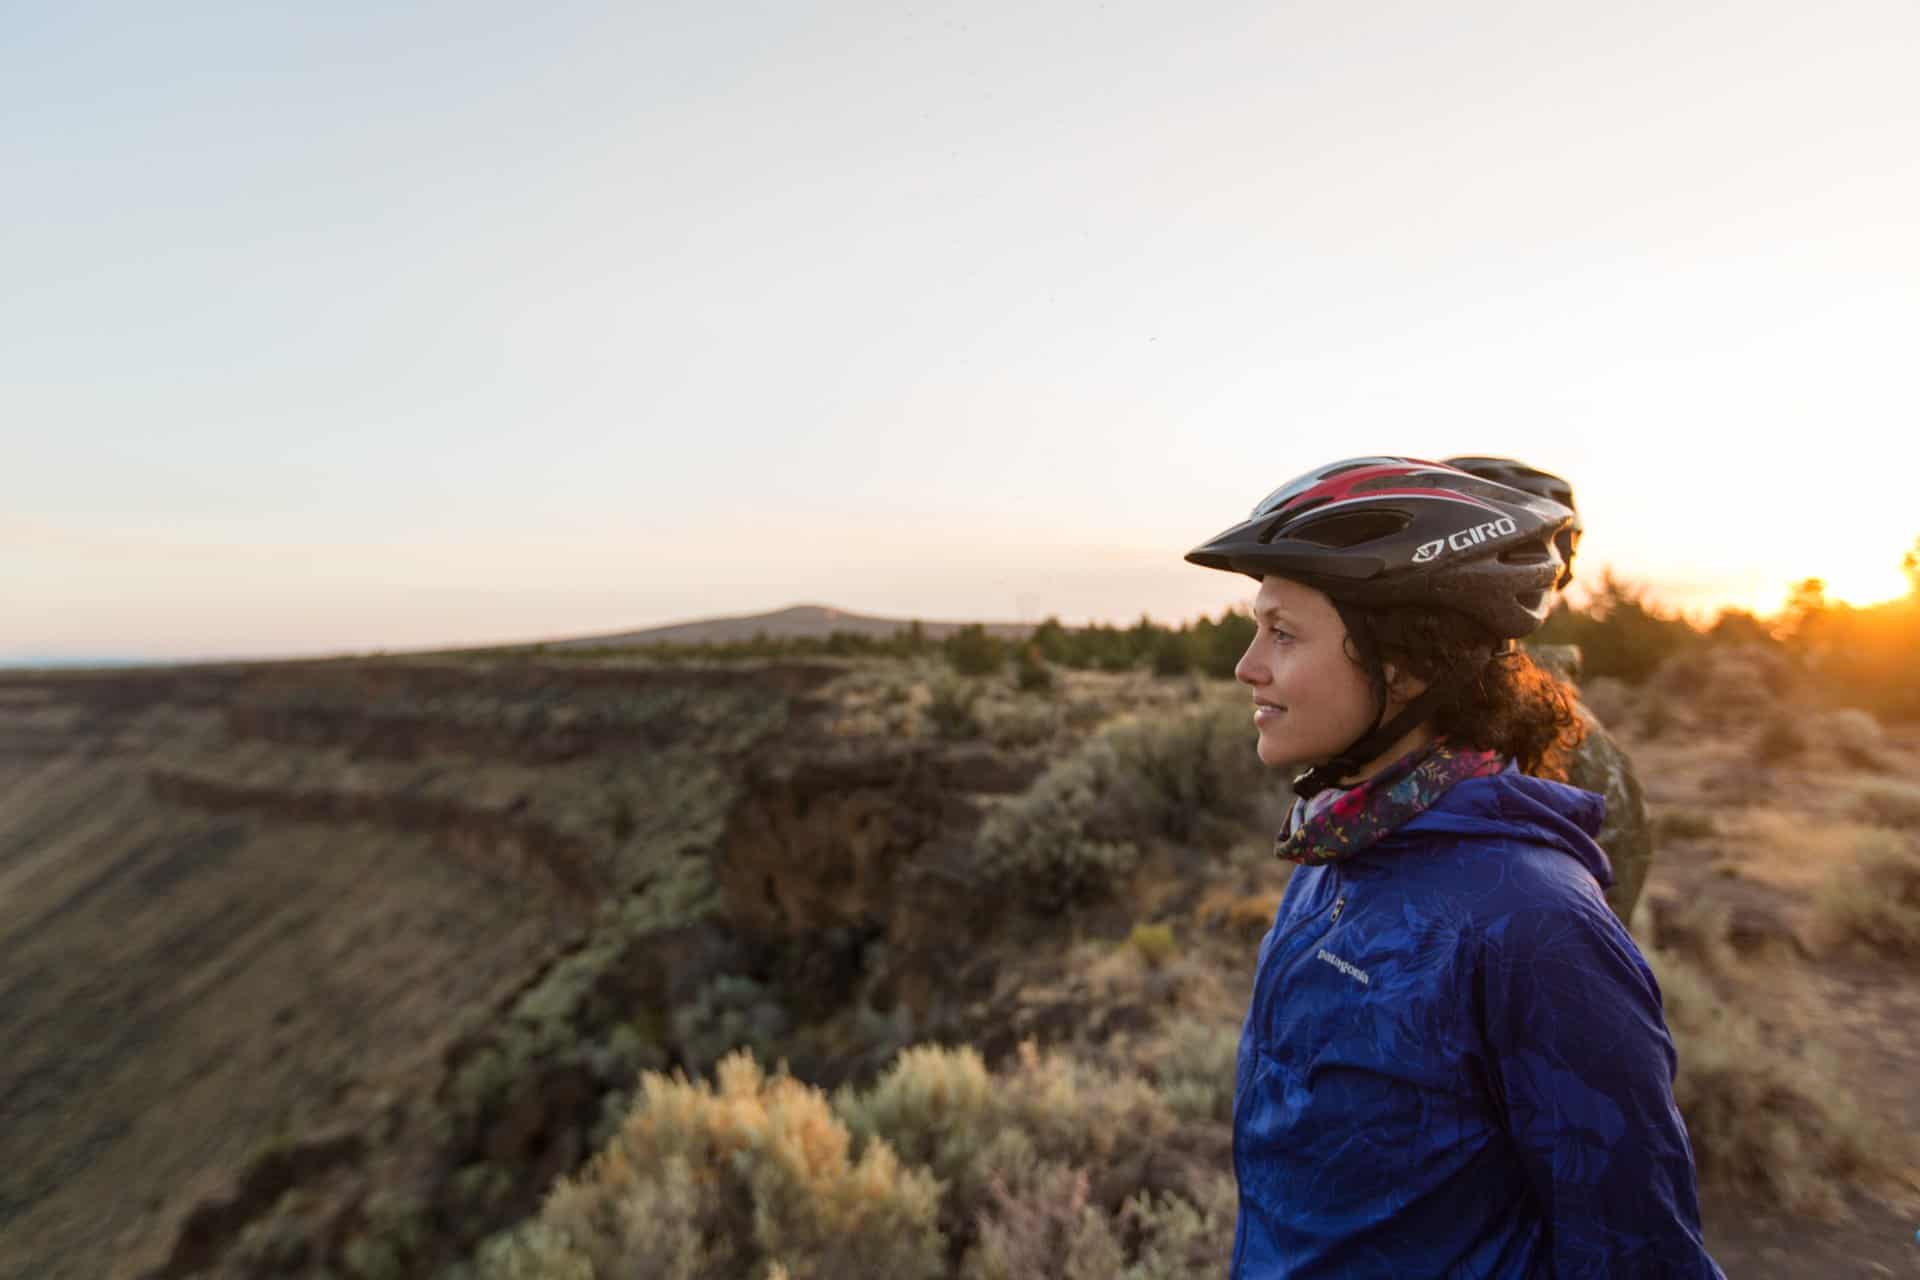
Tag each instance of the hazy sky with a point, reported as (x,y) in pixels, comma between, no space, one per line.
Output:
(354,326)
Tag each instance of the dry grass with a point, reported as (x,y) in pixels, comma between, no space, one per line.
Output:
(1873,902)
(1243,916)
(1888,803)
(1790,851)
(1763,1118)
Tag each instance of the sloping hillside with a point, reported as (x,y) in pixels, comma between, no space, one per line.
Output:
(249,912)
(801,621)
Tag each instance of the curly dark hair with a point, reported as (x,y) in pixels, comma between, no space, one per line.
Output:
(1504,701)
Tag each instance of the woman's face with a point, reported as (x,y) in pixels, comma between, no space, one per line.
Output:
(1310,700)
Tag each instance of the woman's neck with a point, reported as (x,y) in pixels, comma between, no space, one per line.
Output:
(1412,740)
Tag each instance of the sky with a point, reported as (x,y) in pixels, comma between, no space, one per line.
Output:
(347,327)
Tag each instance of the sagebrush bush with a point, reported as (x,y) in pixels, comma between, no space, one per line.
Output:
(1619,634)
(1762,1119)
(1173,654)
(974,652)
(952,710)
(1189,778)
(1781,738)
(941,1108)
(1192,1061)
(1031,674)
(1657,717)
(1891,804)
(1609,698)
(729,1013)
(1183,774)
(1854,735)
(734,1178)
(1020,724)
(1154,943)
(1728,685)
(1043,845)
(1046,1228)
(1685,824)
(1874,900)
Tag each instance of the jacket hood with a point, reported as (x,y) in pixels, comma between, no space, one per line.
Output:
(1512,805)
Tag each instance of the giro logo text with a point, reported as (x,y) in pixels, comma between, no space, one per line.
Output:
(1465,538)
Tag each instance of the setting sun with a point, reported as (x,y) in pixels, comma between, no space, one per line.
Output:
(1866,585)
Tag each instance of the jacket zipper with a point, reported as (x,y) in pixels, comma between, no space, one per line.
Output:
(1333,917)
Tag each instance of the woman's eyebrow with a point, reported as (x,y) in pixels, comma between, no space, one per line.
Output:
(1273,613)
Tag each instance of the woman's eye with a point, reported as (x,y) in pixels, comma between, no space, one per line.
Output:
(1279,636)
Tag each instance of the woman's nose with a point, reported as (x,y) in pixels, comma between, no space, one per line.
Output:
(1248,670)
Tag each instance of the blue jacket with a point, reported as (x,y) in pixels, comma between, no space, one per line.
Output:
(1455,1062)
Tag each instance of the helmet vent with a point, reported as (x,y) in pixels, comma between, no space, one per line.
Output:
(1343,529)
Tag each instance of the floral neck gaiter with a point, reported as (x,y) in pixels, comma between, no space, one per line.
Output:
(1344,823)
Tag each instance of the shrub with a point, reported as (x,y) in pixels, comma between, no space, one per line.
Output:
(1031,673)
(1039,845)
(1875,900)
(1020,724)
(1243,916)
(1154,942)
(1172,654)
(1609,698)
(1855,736)
(734,1178)
(1047,1229)
(1891,804)
(1781,738)
(940,1108)
(952,710)
(972,652)
(1192,778)
(1218,645)
(1761,1119)
(1685,824)
(936,1106)
(1194,1064)
(729,1013)
(1619,634)
(1181,1239)
(1727,686)
(1178,773)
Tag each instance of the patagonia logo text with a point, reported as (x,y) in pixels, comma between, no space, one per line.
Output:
(1353,971)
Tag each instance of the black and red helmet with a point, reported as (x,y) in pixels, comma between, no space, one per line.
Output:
(1388,531)
(1518,475)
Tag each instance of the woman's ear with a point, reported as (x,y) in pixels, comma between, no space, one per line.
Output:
(1402,687)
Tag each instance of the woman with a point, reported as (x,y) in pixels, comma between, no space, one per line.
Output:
(1454,1062)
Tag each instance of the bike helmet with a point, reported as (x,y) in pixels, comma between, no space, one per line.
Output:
(1384,531)
(1544,484)
(1400,531)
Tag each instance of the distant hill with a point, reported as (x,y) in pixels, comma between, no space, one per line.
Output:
(799,621)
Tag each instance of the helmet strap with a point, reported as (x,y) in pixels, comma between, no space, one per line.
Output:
(1376,740)
(1334,772)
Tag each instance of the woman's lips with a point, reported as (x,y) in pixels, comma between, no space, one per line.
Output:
(1265,711)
